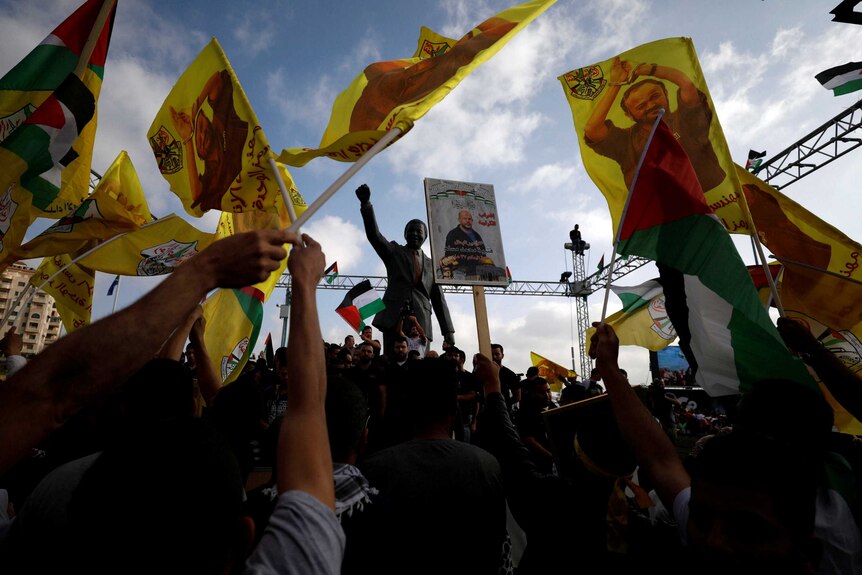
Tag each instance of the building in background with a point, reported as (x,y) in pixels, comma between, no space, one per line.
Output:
(38,322)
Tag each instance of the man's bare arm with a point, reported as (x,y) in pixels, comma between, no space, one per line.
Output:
(304,462)
(651,447)
(92,361)
(595,129)
(687,90)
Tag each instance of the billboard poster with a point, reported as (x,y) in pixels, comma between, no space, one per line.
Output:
(464,231)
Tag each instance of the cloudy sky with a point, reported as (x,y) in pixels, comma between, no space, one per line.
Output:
(508,124)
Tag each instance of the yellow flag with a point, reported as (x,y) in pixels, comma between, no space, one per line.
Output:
(397,93)
(234,317)
(15,217)
(791,231)
(71,288)
(553,372)
(208,142)
(614,104)
(643,320)
(117,205)
(155,249)
(32,81)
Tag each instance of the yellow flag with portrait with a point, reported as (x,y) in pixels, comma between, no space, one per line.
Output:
(395,94)
(614,104)
(554,373)
(208,142)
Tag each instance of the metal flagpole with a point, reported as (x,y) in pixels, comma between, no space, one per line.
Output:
(625,211)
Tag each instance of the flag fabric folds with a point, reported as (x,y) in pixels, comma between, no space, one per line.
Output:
(71,286)
(234,317)
(842,79)
(643,320)
(669,221)
(397,93)
(114,285)
(614,103)
(360,303)
(208,142)
(554,373)
(331,273)
(154,249)
(27,86)
(791,231)
(32,149)
(116,206)
(755,158)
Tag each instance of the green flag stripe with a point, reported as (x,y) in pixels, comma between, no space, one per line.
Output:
(371,308)
(848,87)
(708,253)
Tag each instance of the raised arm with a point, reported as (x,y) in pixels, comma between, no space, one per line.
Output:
(687,89)
(304,461)
(595,129)
(844,385)
(375,238)
(651,447)
(92,361)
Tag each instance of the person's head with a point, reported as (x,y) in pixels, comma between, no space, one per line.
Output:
(413,355)
(346,419)
(191,358)
(414,330)
(415,233)
(532,372)
(642,101)
(366,332)
(160,390)
(207,138)
(349,342)
(166,497)
(399,349)
(432,354)
(452,354)
(344,359)
(753,505)
(432,394)
(366,354)
(465,219)
(595,375)
(497,353)
(538,392)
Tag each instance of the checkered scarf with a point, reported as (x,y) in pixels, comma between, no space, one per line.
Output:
(352,491)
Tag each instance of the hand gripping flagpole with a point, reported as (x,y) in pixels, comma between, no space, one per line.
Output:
(625,211)
(387,139)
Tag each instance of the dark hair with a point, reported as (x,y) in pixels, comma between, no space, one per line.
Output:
(281,356)
(162,389)
(634,87)
(346,416)
(497,346)
(168,495)
(415,221)
(532,370)
(432,393)
(399,339)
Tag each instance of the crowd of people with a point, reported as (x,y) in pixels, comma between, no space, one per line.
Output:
(394,459)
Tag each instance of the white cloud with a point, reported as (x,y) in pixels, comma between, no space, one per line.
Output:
(254,34)
(342,241)
(548,177)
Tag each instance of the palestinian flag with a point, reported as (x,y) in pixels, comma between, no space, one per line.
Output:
(710,297)
(35,147)
(508,277)
(601,265)
(33,81)
(755,158)
(331,273)
(360,303)
(842,79)
(269,352)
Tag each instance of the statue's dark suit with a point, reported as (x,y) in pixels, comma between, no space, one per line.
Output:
(402,282)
